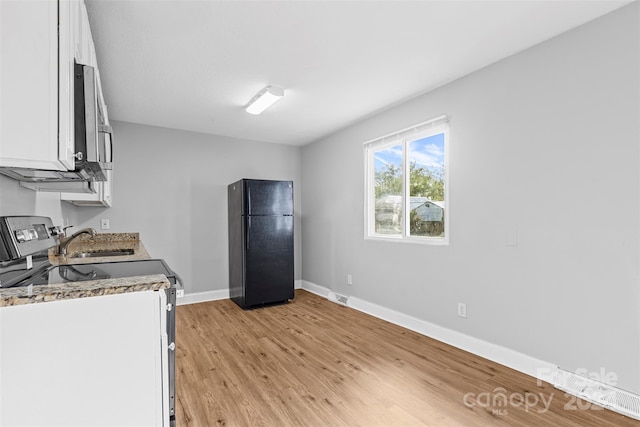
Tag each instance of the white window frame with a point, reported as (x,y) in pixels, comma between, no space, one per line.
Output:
(404,137)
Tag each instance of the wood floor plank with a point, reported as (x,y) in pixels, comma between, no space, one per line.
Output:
(315,363)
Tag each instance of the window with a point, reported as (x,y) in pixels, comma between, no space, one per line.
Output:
(406,184)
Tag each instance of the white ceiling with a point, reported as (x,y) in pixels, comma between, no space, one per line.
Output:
(194,65)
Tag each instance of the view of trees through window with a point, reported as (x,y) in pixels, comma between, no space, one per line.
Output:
(425,187)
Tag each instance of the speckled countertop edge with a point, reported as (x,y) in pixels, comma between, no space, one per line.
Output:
(71,290)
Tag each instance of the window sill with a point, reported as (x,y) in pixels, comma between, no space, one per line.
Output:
(432,241)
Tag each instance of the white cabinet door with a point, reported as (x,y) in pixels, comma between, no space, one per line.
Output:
(92,361)
(66,138)
(29,79)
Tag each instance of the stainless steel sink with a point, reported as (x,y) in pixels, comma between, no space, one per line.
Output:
(97,254)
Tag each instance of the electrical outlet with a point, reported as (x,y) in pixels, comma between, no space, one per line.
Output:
(349,279)
(104,224)
(179,293)
(462,310)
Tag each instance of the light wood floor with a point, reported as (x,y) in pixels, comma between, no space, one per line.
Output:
(315,363)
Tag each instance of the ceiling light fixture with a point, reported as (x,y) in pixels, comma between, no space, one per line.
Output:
(264,99)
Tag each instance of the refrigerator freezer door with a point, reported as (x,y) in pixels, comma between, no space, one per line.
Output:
(268,197)
(269,259)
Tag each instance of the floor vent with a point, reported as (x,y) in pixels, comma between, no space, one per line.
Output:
(340,299)
(599,393)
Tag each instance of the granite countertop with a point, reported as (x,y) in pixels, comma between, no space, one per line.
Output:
(70,290)
(91,288)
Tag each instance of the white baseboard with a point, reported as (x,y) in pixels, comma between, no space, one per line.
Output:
(505,356)
(219,294)
(196,297)
(315,289)
(539,369)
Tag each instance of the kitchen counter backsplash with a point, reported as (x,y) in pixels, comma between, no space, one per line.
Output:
(106,237)
(109,242)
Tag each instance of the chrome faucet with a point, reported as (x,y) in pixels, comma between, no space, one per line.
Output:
(64,240)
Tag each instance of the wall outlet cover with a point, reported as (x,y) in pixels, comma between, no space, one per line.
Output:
(462,310)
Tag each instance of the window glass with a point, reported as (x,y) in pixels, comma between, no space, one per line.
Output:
(407,184)
(426,186)
(388,190)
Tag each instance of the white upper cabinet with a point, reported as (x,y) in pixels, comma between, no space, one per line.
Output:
(36,125)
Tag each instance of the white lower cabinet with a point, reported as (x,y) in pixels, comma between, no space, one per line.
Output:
(91,361)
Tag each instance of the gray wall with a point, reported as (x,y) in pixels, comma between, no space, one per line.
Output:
(16,200)
(171,186)
(544,143)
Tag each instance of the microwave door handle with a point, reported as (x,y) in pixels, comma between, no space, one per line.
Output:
(91,113)
(109,150)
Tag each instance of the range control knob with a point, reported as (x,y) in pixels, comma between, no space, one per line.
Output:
(26,234)
(20,236)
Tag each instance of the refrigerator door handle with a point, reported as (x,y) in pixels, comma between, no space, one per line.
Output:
(249,199)
(248,231)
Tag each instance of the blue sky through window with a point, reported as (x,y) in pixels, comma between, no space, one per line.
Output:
(426,152)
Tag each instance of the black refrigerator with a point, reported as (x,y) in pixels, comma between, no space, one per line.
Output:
(260,242)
